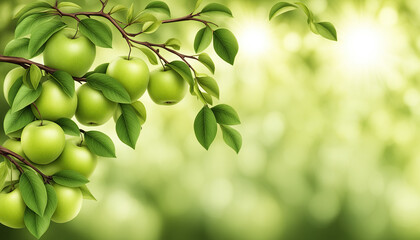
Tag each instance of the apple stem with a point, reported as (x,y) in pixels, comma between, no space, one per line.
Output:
(39,113)
(77,31)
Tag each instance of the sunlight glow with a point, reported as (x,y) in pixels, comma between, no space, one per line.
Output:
(254,39)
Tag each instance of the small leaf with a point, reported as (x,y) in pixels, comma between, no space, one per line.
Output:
(97,32)
(140,111)
(208,98)
(225,45)
(4,171)
(70,178)
(33,192)
(51,202)
(128,126)
(14,121)
(42,33)
(151,26)
(197,4)
(232,138)
(27,24)
(17,48)
(69,126)
(203,39)
(209,85)
(218,8)
(130,13)
(149,54)
(33,6)
(14,90)
(66,5)
(226,115)
(100,144)
(306,10)
(200,95)
(65,81)
(32,77)
(327,30)
(173,43)
(159,6)
(101,68)
(280,8)
(111,88)
(182,69)
(117,8)
(205,127)
(205,59)
(24,97)
(86,193)
(36,224)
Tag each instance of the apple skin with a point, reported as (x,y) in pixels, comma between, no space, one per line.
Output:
(10,79)
(93,108)
(69,203)
(166,87)
(42,144)
(15,146)
(12,209)
(74,56)
(54,103)
(133,74)
(139,108)
(77,157)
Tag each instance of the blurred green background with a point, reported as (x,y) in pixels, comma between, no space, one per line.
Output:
(330,130)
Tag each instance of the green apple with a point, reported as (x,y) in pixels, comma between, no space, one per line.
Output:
(54,103)
(10,79)
(15,146)
(140,111)
(93,108)
(12,208)
(43,143)
(166,87)
(77,157)
(74,55)
(132,73)
(69,203)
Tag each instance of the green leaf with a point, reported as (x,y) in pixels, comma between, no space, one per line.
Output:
(117,8)
(173,43)
(306,10)
(42,33)
(226,115)
(97,32)
(100,144)
(225,45)
(4,171)
(32,77)
(33,6)
(24,97)
(218,8)
(51,201)
(200,95)
(197,4)
(65,81)
(111,88)
(36,224)
(151,26)
(66,5)
(14,121)
(280,8)
(159,6)
(17,48)
(205,59)
(27,24)
(182,69)
(149,54)
(128,126)
(69,126)
(140,111)
(205,127)
(327,30)
(101,68)
(209,85)
(232,138)
(203,39)
(130,13)
(14,90)
(207,98)
(33,192)
(70,178)
(86,193)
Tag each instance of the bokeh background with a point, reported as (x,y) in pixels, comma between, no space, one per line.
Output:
(330,131)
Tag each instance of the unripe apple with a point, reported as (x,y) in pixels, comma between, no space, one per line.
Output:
(43,143)
(69,203)
(54,103)
(166,87)
(93,108)
(14,146)
(77,157)
(12,208)
(10,79)
(139,108)
(73,55)
(132,73)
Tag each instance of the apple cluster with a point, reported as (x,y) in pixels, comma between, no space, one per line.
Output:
(43,142)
